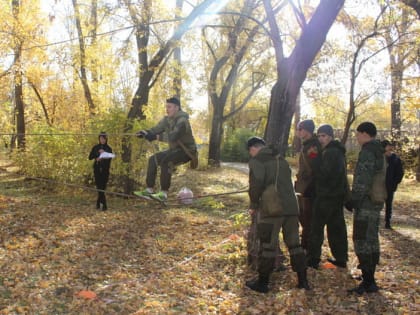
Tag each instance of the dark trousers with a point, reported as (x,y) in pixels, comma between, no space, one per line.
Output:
(328,212)
(167,160)
(305,215)
(101,179)
(388,206)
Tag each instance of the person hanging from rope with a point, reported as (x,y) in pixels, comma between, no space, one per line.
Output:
(182,149)
(101,153)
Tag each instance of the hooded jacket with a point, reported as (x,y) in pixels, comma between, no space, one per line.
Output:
(102,165)
(176,128)
(264,170)
(330,172)
(370,161)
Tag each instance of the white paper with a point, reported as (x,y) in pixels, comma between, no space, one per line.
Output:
(106,155)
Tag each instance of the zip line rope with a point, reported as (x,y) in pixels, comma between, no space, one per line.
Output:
(65,134)
(52,181)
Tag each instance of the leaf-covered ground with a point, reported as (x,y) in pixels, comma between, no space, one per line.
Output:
(59,255)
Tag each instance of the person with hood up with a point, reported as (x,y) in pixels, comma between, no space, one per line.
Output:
(365,208)
(331,189)
(101,168)
(182,147)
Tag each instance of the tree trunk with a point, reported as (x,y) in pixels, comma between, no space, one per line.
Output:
(216,136)
(291,72)
(83,66)
(297,143)
(177,57)
(18,81)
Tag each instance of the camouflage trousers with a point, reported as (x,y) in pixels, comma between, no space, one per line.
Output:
(267,232)
(366,234)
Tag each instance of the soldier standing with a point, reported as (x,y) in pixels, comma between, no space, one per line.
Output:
(305,184)
(331,188)
(365,209)
(273,200)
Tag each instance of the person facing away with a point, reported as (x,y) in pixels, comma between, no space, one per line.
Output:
(365,210)
(101,168)
(178,130)
(331,189)
(272,197)
(394,176)
(305,184)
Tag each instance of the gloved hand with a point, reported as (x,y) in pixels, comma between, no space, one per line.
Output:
(150,136)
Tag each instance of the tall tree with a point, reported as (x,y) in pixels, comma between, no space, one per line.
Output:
(224,75)
(83,53)
(291,71)
(358,61)
(18,77)
(400,42)
(149,67)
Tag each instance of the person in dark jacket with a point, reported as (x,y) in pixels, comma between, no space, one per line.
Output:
(331,188)
(305,183)
(101,168)
(365,209)
(394,176)
(273,200)
(176,126)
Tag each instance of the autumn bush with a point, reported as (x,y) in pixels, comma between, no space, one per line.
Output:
(63,155)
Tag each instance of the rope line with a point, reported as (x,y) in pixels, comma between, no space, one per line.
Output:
(133,196)
(65,134)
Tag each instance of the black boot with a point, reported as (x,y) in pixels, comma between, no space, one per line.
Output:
(98,204)
(368,283)
(388,225)
(302,280)
(259,284)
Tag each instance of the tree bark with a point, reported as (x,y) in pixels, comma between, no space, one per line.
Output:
(18,81)
(83,63)
(291,72)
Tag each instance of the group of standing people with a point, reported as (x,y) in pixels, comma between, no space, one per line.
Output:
(321,188)
(322,192)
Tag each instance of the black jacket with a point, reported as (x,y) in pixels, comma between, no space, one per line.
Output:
(330,172)
(102,165)
(394,172)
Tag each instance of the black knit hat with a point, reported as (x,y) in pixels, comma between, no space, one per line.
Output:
(368,128)
(103,134)
(307,124)
(174,100)
(327,129)
(254,140)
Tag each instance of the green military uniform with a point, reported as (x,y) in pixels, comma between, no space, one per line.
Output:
(305,185)
(268,171)
(176,129)
(331,189)
(366,214)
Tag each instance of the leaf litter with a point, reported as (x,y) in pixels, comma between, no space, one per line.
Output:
(138,258)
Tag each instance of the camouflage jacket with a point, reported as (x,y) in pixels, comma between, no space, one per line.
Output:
(263,170)
(370,161)
(176,128)
(307,158)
